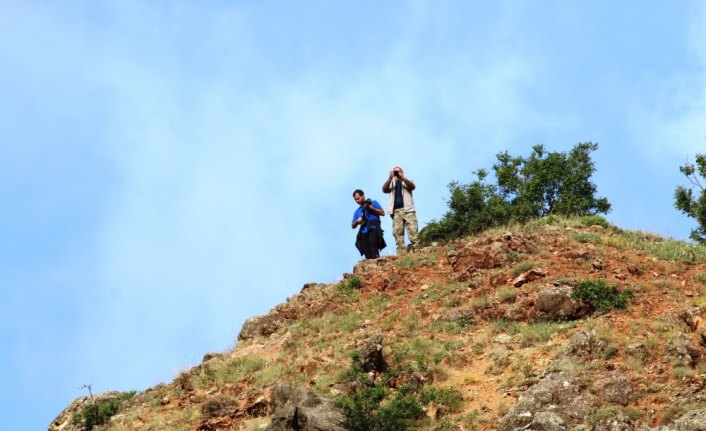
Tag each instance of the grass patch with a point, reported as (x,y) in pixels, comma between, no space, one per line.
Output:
(541,332)
(701,277)
(523,267)
(229,371)
(414,260)
(586,237)
(506,294)
(662,248)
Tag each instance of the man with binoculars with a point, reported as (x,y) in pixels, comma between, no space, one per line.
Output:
(401,208)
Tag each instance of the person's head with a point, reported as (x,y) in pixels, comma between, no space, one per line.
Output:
(359,196)
(397,171)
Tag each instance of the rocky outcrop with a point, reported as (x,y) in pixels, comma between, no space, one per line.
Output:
(555,303)
(557,402)
(695,420)
(372,355)
(298,409)
(614,388)
(683,351)
(589,345)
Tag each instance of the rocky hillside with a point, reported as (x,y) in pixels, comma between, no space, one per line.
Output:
(555,325)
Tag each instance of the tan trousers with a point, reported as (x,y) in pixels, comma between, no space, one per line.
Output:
(400,221)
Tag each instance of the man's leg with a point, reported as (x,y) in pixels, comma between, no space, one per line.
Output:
(372,251)
(411,222)
(398,229)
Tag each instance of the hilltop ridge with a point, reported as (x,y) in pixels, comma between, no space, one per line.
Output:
(557,324)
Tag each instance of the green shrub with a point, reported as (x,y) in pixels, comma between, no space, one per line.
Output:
(374,407)
(99,412)
(602,297)
(528,188)
(349,284)
(594,220)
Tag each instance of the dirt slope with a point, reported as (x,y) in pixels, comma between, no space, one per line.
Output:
(471,315)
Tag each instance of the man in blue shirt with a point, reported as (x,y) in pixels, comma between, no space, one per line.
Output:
(369,240)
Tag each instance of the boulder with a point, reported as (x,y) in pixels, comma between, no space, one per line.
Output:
(683,351)
(588,345)
(617,423)
(259,326)
(694,420)
(615,389)
(299,409)
(555,303)
(559,401)
(372,355)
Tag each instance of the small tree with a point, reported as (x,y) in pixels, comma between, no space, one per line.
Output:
(687,201)
(550,183)
(544,183)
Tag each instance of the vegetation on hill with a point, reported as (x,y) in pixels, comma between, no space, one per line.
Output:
(545,183)
(471,330)
(692,201)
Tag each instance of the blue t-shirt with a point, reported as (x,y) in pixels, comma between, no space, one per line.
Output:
(369,215)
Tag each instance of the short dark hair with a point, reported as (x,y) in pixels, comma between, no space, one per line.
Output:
(358,192)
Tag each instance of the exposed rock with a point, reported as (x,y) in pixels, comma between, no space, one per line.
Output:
(559,400)
(547,421)
(211,355)
(695,420)
(614,388)
(372,355)
(692,317)
(259,326)
(617,423)
(555,303)
(703,336)
(367,265)
(64,422)
(529,276)
(588,345)
(298,409)
(684,352)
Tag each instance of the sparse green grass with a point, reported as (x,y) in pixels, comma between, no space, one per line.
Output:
(662,248)
(603,414)
(228,371)
(541,332)
(701,277)
(411,324)
(481,302)
(586,237)
(506,294)
(523,267)
(683,372)
(414,260)
(439,291)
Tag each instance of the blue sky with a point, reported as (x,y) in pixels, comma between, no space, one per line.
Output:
(169,169)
